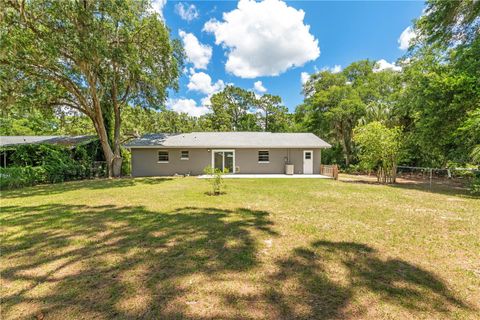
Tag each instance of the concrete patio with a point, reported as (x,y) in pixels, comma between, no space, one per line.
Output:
(268,176)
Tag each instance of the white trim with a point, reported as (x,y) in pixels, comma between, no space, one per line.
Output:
(182,158)
(258,155)
(168,155)
(223,164)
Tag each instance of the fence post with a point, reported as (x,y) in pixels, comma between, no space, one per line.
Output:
(431,179)
(335,172)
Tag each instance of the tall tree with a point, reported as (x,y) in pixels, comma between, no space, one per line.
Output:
(230,109)
(442,83)
(335,103)
(449,23)
(92,56)
(332,109)
(273,116)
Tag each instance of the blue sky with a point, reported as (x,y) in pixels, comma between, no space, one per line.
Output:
(274,42)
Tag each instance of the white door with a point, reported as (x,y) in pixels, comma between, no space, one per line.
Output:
(307,162)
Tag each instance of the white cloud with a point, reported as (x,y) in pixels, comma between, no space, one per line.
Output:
(202,82)
(197,53)
(264,38)
(157,6)
(385,65)
(404,40)
(188,106)
(258,86)
(206,100)
(186,12)
(304,77)
(336,69)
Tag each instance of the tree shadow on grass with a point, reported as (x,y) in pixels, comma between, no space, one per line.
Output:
(94,184)
(76,261)
(92,262)
(438,186)
(320,282)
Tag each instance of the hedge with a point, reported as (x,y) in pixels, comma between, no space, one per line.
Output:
(42,163)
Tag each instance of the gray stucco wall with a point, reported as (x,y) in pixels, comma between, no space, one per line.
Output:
(145,161)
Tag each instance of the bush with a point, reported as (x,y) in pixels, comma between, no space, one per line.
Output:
(17,177)
(379,149)
(127,162)
(354,169)
(475,184)
(42,163)
(216,180)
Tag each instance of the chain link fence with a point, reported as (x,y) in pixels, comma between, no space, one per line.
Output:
(432,176)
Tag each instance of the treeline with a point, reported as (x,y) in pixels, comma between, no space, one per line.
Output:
(232,109)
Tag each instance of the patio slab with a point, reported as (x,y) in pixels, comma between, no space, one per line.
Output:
(268,176)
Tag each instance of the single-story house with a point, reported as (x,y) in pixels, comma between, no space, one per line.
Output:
(238,152)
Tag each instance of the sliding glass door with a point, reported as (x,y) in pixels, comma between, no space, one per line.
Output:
(224,160)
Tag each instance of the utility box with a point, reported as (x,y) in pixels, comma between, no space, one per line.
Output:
(289,169)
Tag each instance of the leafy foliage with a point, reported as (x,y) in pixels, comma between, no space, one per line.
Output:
(236,109)
(379,149)
(95,57)
(335,103)
(216,180)
(44,163)
(448,23)
(475,185)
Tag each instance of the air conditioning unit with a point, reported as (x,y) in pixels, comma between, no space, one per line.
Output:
(289,169)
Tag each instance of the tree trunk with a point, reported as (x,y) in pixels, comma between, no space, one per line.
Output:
(117,159)
(106,148)
(266,121)
(117,166)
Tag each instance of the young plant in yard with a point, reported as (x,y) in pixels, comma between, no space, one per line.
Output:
(379,149)
(216,179)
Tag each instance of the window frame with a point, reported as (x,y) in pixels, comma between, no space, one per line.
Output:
(163,161)
(263,161)
(184,158)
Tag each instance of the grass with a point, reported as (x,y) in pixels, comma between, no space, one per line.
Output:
(267,249)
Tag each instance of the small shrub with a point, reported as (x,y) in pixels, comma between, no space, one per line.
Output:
(127,162)
(355,169)
(475,184)
(17,177)
(216,181)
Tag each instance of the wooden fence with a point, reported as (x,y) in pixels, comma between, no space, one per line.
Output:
(329,171)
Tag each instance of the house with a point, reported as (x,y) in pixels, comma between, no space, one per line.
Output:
(238,152)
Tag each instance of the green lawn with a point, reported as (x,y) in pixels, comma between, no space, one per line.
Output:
(268,249)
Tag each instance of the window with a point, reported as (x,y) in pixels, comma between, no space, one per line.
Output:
(263,156)
(308,155)
(163,156)
(184,155)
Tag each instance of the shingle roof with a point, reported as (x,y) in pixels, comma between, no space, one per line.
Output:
(229,140)
(64,140)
